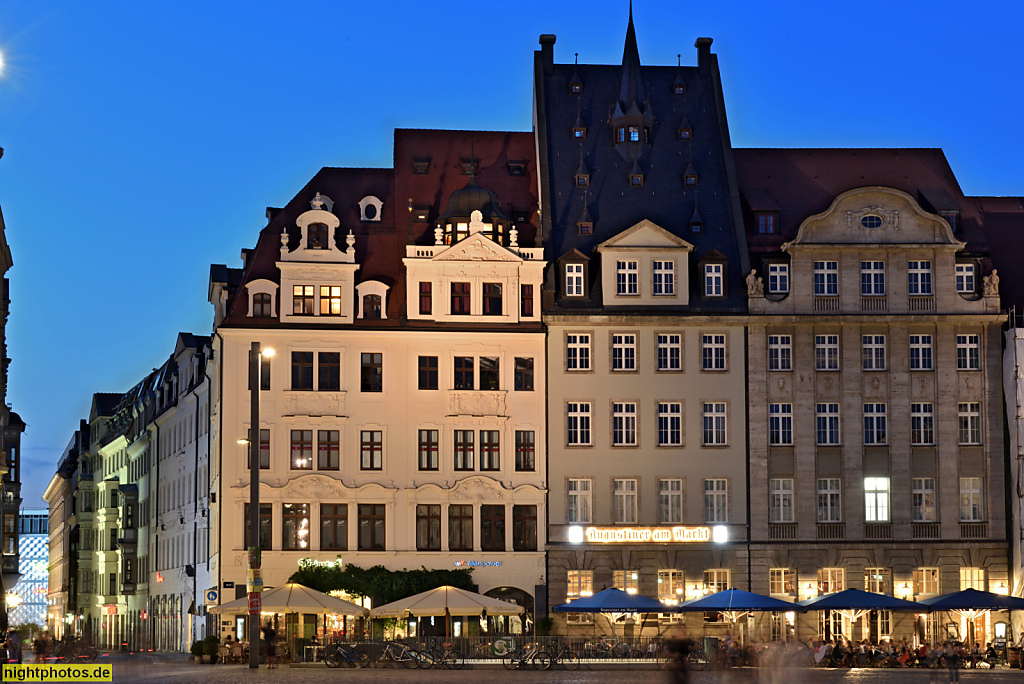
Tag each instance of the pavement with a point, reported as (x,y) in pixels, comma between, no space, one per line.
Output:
(159,668)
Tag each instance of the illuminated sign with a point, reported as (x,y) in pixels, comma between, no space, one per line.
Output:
(159,577)
(627,535)
(313,563)
(477,564)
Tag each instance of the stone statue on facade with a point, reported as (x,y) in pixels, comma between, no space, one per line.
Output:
(755,285)
(990,284)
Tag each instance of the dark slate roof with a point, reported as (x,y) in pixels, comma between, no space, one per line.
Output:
(613,203)
(1003,225)
(106,402)
(798,183)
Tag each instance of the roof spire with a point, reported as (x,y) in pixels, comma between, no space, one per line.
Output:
(631,88)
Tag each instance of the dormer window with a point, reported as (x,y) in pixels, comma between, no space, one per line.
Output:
(579,133)
(636,179)
(714,280)
(371,306)
(765,223)
(582,179)
(620,134)
(952,218)
(634,133)
(517,168)
(317,236)
(420,215)
(576,88)
(420,167)
(469,167)
(696,227)
(585,228)
(370,208)
(261,305)
(679,89)
(574,280)
(685,133)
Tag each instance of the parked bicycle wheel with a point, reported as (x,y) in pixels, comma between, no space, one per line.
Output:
(511,660)
(333,658)
(542,660)
(570,660)
(453,660)
(424,659)
(697,660)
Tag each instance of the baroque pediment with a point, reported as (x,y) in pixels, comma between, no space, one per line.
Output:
(477,247)
(645,235)
(477,488)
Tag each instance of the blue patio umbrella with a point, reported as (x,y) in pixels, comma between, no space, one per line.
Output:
(613,601)
(738,601)
(853,603)
(971,603)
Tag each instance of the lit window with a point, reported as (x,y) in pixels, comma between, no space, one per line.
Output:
(827,419)
(826,278)
(580,583)
(670,423)
(302,450)
(972,578)
(778,278)
(714,432)
(780,352)
(664,278)
(876,499)
(713,280)
(919,278)
(873,352)
(920,352)
(295,526)
(922,424)
(780,502)
(782,581)
(780,424)
(626,278)
(968,352)
(965,278)
(716,500)
(829,500)
(926,581)
(831,580)
(826,352)
(330,301)
(922,495)
(872,278)
(302,300)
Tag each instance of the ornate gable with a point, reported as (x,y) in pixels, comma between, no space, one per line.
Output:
(645,235)
(477,247)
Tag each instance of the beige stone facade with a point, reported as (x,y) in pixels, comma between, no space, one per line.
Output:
(876,437)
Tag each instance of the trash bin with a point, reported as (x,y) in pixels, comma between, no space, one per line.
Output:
(1013,656)
(709,645)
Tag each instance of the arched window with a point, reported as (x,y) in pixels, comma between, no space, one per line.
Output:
(261,305)
(371,306)
(316,236)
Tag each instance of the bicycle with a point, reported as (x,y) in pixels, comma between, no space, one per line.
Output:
(395,652)
(450,658)
(696,659)
(531,654)
(337,654)
(566,657)
(71,649)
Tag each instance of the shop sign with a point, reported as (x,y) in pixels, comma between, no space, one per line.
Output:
(624,535)
(477,564)
(313,563)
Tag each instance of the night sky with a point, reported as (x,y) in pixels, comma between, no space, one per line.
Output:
(143,141)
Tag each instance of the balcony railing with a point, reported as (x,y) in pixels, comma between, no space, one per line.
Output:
(922,303)
(973,530)
(826,304)
(925,530)
(782,531)
(831,531)
(874,304)
(878,531)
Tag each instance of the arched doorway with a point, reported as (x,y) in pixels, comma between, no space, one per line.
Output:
(518,624)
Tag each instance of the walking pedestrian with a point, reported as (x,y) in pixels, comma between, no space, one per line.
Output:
(13,647)
(270,637)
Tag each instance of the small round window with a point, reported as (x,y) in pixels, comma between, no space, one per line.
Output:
(370,212)
(871,221)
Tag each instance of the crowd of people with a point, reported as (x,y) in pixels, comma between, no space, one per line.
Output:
(842,652)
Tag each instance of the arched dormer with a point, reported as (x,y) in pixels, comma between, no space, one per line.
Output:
(318,226)
(455,223)
(262,298)
(373,299)
(370,209)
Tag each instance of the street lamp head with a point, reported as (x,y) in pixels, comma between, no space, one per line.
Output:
(242,441)
(268,352)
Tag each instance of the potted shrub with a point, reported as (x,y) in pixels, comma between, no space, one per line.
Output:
(197,651)
(210,646)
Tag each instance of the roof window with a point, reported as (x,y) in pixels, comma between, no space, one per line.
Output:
(420,167)
(516,168)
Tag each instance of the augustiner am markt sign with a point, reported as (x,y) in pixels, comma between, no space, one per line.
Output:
(640,535)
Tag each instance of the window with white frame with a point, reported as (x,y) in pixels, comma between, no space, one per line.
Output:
(574,280)
(623,352)
(872,278)
(671,590)
(577,352)
(831,580)
(829,500)
(579,500)
(670,423)
(827,423)
(780,352)
(921,352)
(922,424)
(878,580)
(626,580)
(712,352)
(873,352)
(782,581)
(714,424)
(919,278)
(670,501)
(968,352)
(577,423)
(716,500)
(826,352)
(971,505)
(624,501)
(965,278)
(780,500)
(670,352)
(664,282)
(623,424)
(780,424)
(969,422)
(580,584)
(972,578)
(713,280)
(922,499)
(626,278)
(826,278)
(874,424)
(926,581)
(876,499)
(716,580)
(778,278)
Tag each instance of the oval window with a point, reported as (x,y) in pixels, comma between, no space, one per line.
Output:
(370,212)
(871,221)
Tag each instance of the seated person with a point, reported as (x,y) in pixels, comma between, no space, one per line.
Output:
(991,657)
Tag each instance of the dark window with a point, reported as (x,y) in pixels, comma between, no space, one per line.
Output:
(679,89)
(524,528)
(264,372)
(295,526)
(302,300)
(492,528)
(128,573)
(371,306)
(620,134)
(420,167)
(371,527)
(690,179)
(302,370)
(428,527)
(113,535)
(460,298)
(524,374)
(526,300)
(369,212)
(328,450)
(575,88)
(428,446)
(464,372)
(302,449)
(113,584)
(261,305)
(685,133)
(426,302)
(765,224)
(330,371)
(953,218)
(464,447)
(525,451)
(316,234)
(371,449)
(264,449)
(460,528)
(266,527)
(490,450)
(428,373)
(492,299)
(372,373)
(334,527)
(489,373)
(583,179)
(636,180)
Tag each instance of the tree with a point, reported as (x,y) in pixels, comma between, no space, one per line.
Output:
(378,583)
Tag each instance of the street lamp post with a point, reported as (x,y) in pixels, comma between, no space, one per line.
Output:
(254,503)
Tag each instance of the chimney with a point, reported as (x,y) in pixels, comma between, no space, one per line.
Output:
(703,46)
(547,51)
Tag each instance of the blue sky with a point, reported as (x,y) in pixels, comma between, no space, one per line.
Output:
(143,141)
